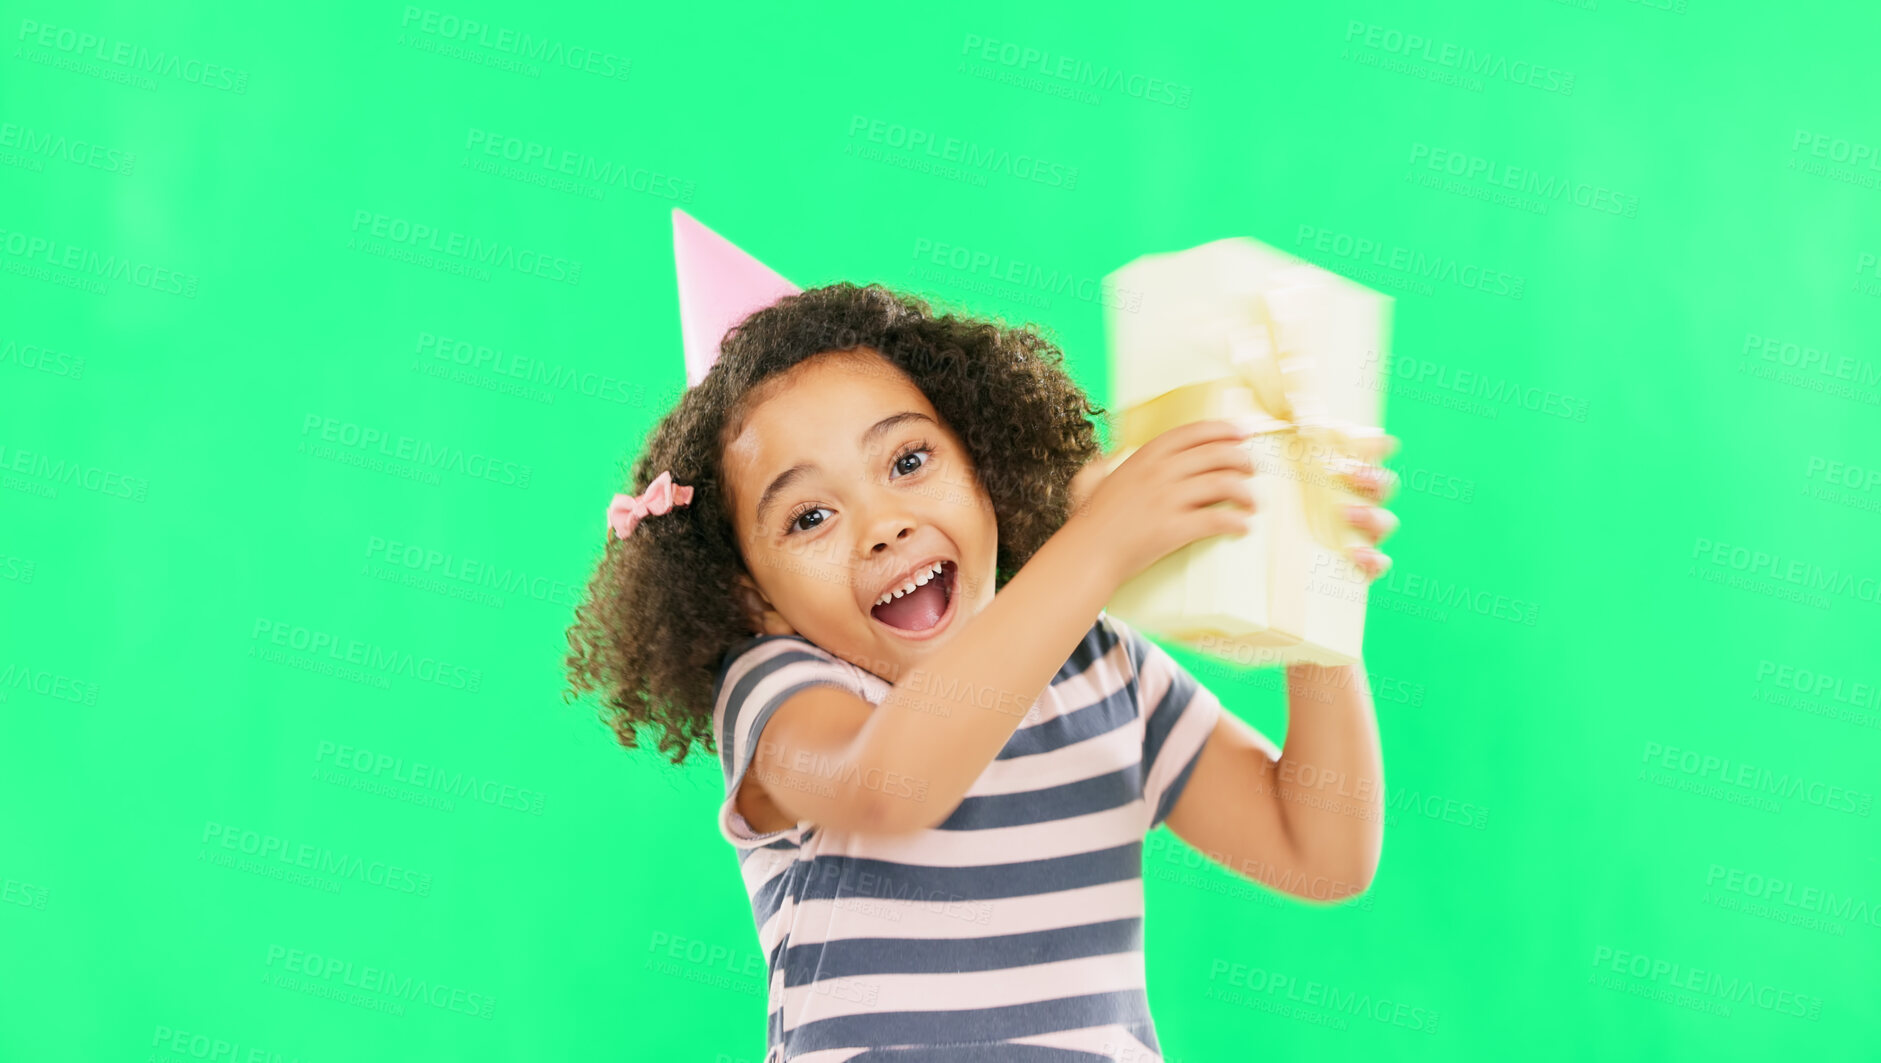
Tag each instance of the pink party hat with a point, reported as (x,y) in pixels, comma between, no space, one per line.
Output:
(719,286)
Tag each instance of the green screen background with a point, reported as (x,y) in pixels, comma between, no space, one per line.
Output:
(1625,667)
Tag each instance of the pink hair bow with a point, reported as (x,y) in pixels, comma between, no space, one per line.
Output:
(660,496)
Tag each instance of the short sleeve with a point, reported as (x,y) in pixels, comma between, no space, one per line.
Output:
(1178,714)
(761,675)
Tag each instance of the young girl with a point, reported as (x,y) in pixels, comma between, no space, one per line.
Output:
(869,570)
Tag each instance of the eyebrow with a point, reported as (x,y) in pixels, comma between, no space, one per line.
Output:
(796,472)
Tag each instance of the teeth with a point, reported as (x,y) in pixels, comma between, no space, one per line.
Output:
(920,580)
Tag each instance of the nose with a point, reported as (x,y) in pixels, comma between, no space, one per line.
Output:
(888,532)
(891,523)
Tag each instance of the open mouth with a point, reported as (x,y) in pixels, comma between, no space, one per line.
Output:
(923,610)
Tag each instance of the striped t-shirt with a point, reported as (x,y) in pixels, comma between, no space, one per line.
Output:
(1013,931)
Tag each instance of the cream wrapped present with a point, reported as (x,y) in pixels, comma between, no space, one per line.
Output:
(1237,329)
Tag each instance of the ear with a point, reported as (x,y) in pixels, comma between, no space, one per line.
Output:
(759,615)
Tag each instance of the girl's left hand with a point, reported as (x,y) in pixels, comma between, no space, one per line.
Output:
(1374,482)
(1365,475)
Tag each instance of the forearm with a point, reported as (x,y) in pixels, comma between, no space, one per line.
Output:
(947,718)
(1331,773)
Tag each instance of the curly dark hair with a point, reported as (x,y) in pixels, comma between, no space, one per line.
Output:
(643,636)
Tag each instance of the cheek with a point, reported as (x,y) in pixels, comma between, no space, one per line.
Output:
(961,488)
(810,571)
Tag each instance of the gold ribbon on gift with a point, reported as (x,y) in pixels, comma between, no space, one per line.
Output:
(1269,389)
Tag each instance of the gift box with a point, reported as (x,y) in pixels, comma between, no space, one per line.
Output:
(1236,329)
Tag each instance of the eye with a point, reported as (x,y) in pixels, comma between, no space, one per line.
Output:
(794,523)
(900,463)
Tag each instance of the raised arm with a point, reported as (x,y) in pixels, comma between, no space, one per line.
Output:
(828,757)
(1309,820)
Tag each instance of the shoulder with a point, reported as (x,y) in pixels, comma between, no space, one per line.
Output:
(1155,676)
(767,667)
(742,656)
(1103,661)
(1117,641)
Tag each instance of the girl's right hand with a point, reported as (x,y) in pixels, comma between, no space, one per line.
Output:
(1164,496)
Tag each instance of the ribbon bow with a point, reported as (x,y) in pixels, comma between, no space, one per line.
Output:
(1274,349)
(1267,382)
(660,496)
(1273,359)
